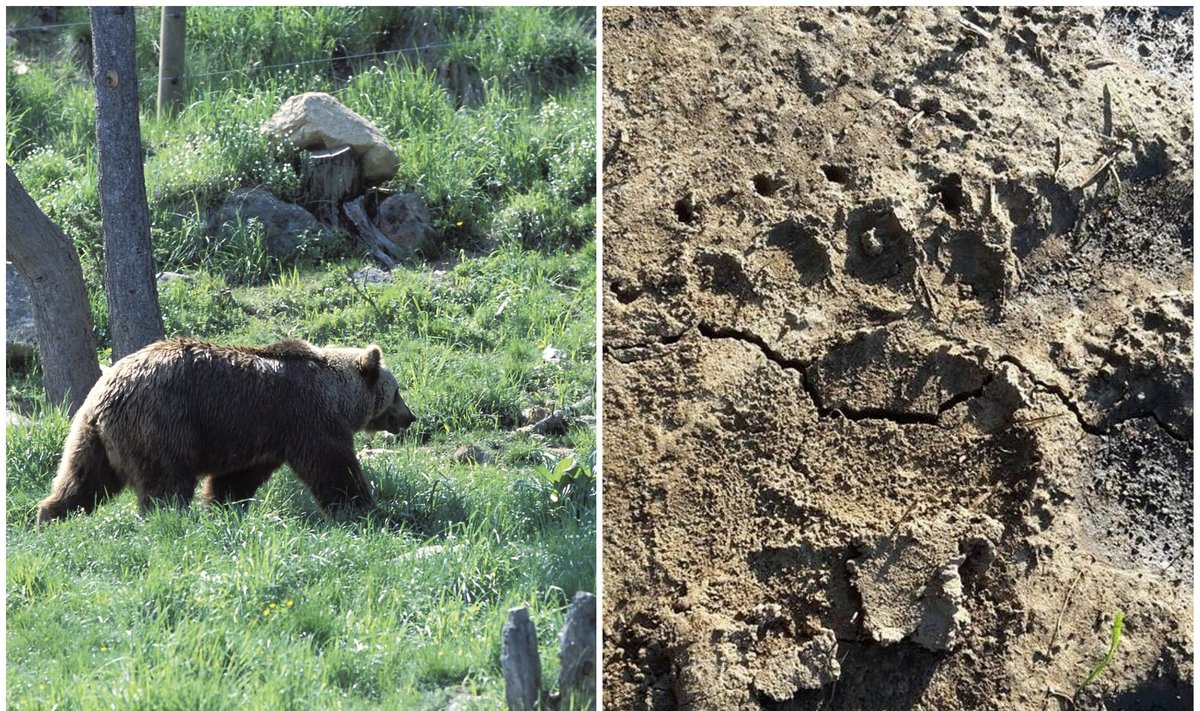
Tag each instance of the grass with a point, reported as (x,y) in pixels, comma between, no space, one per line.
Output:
(1114,641)
(382,615)
(515,157)
(276,607)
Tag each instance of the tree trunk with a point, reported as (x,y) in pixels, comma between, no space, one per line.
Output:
(48,261)
(134,316)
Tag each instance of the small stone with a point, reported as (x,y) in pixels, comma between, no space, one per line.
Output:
(871,243)
(471,454)
(373,275)
(168,277)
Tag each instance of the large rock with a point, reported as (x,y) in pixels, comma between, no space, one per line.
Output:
(283,222)
(20,341)
(405,221)
(317,120)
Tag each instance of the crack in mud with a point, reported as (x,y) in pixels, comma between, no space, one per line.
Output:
(901,418)
(714,332)
(823,410)
(1069,403)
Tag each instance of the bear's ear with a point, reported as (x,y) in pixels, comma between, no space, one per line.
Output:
(368,363)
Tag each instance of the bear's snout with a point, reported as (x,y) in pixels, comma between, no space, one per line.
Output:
(394,420)
(403,420)
(398,423)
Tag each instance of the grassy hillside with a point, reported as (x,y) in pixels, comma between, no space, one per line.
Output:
(493,119)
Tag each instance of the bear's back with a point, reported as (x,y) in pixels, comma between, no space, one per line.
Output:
(210,405)
(194,376)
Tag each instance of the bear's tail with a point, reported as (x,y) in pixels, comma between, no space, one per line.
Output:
(85,476)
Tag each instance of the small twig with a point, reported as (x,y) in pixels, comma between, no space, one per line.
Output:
(930,298)
(980,501)
(899,27)
(1057,156)
(1099,63)
(1032,420)
(916,117)
(989,205)
(1177,558)
(833,687)
(972,27)
(903,518)
(361,290)
(1099,173)
(1062,611)
(1058,695)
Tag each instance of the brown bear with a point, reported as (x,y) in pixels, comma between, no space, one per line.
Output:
(182,409)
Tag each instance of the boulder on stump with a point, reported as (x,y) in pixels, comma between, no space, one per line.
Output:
(317,120)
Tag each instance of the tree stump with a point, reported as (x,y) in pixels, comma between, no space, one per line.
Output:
(519,661)
(328,178)
(577,653)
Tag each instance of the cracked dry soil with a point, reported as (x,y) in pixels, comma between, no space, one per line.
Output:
(897,358)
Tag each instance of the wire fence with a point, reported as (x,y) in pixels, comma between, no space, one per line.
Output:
(259,68)
(45,27)
(323,60)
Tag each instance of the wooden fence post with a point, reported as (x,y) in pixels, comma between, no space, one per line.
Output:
(519,661)
(170,61)
(522,667)
(577,653)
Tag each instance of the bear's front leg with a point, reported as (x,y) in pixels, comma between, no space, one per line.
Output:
(335,480)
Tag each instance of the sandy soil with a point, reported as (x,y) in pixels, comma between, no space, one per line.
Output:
(897,358)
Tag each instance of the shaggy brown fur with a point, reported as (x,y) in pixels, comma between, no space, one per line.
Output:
(180,410)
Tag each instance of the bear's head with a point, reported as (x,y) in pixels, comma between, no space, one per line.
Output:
(388,411)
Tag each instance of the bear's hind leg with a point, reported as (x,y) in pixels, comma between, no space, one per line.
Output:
(236,486)
(335,480)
